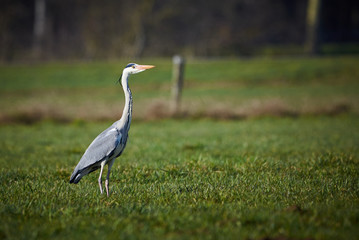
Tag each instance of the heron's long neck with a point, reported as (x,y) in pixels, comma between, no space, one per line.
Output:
(127,110)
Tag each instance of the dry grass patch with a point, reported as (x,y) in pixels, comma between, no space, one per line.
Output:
(161,109)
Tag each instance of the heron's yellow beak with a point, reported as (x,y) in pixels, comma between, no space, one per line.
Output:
(144,67)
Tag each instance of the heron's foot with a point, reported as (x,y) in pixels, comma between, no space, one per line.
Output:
(106,186)
(100,185)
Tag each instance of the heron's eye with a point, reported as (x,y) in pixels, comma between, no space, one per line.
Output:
(133,67)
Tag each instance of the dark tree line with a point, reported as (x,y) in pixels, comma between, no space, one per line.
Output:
(88,29)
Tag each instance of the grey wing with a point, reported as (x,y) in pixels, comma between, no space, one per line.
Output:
(101,148)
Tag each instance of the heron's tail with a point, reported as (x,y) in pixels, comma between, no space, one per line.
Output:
(75,177)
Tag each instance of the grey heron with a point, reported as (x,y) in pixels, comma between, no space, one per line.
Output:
(109,144)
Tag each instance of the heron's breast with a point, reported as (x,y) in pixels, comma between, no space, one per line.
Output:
(119,148)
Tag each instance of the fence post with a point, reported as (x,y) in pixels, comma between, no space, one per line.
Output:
(177,82)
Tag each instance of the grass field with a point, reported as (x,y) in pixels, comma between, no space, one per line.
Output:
(230,88)
(269,176)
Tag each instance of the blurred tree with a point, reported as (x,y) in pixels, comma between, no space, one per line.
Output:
(15,28)
(91,29)
(141,22)
(313,24)
(39,27)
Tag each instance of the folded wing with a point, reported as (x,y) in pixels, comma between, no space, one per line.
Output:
(102,148)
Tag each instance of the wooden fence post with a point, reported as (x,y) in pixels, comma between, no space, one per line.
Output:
(177,82)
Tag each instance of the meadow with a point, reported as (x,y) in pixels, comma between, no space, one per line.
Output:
(264,149)
(230,88)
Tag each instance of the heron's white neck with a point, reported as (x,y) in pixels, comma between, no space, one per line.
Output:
(125,120)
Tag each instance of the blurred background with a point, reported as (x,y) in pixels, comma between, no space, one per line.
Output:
(60,59)
(78,29)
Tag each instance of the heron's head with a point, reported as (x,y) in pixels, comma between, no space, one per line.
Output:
(133,68)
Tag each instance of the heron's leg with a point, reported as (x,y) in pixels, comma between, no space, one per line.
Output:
(107,181)
(100,177)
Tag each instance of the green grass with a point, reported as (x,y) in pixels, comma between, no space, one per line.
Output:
(88,91)
(270,177)
(294,177)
